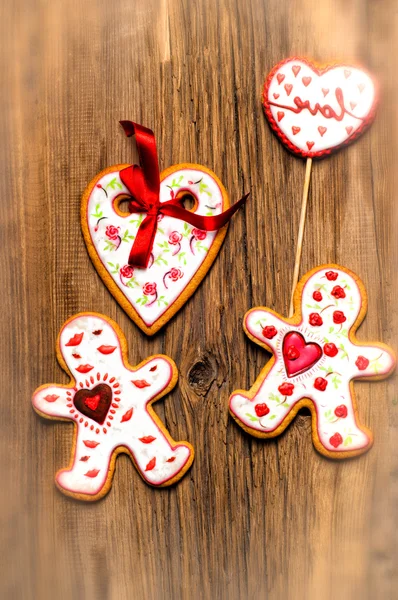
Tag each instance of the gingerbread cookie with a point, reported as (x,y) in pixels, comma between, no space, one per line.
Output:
(110,403)
(316,110)
(153,258)
(316,358)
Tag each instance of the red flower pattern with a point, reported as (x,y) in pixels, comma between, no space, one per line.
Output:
(127,271)
(112,232)
(175,238)
(174,274)
(149,289)
(198,234)
(317,296)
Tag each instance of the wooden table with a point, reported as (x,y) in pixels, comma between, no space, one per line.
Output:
(252,519)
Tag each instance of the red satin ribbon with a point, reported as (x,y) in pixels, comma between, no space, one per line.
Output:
(143,183)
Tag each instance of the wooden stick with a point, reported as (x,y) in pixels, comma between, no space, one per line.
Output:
(301,232)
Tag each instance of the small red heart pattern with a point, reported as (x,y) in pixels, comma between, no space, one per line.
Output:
(323,108)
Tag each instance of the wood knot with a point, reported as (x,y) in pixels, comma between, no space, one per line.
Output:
(201,376)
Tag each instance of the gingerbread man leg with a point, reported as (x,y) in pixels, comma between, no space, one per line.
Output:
(337,424)
(316,357)
(110,404)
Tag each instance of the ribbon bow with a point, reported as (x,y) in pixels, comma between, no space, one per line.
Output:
(143,183)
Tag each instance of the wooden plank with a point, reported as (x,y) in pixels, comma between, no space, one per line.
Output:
(252,519)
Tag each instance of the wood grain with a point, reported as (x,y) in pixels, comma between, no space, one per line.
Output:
(252,519)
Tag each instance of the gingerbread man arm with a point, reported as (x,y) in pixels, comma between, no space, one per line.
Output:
(264,326)
(53,401)
(375,361)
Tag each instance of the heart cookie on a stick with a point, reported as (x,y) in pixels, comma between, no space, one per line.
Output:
(315,111)
(153,256)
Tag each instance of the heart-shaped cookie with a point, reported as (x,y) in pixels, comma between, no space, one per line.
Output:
(181,254)
(299,356)
(314,110)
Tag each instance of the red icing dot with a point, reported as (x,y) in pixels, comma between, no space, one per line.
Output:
(330,349)
(315,320)
(317,296)
(286,389)
(331,275)
(269,332)
(292,353)
(338,292)
(320,384)
(341,411)
(362,363)
(339,317)
(261,410)
(336,440)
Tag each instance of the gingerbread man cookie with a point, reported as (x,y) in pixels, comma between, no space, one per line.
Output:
(316,358)
(109,402)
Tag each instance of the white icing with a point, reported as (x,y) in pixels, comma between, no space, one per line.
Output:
(119,432)
(338,371)
(114,256)
(356,85)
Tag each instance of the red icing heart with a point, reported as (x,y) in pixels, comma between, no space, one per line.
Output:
(309,354)
(288,88)
(94,403)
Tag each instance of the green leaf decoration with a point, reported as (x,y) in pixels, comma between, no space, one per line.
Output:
(114,184)
(251,417)
(109,246)
(133,283)
(177,184)
(181,257)
(137,222)
(114,267)
(348,441)
(161,300)
(98,214)
(272,417)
